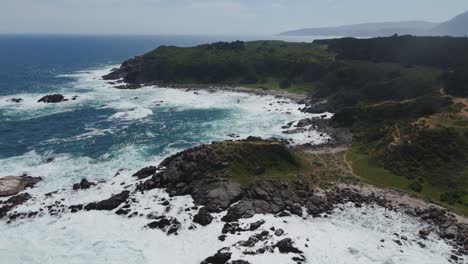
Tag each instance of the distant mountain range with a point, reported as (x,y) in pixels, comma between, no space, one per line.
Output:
(457,26)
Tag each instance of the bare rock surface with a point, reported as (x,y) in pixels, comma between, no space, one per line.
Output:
(12,185)
(52,98)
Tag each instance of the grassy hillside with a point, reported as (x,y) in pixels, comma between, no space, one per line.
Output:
(416,146)
(297,67)
(250,160)
(402,97)
(254,63)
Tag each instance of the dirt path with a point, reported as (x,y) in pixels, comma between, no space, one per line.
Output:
(349,165)
(394,102)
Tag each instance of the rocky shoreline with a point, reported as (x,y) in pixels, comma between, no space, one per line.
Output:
(339,137)
(297,197)
(204,174)
(296,97)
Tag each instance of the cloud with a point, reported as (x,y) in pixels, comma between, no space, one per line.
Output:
(207,16)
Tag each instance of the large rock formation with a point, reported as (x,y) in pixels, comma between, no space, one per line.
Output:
(53,98)
(12,185)
(223,173)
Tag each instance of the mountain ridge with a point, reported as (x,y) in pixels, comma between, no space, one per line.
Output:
(457,26)
(366,29)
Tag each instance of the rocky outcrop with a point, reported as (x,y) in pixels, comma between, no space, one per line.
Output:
(15,100)
(13,202)
(145,172)
(168,225)
(206,173)
(109,204)
(83,185)
(129,71)
(53,98)
(221,257)
(338,136)
(203,217)
(317,107)
(286,246)
(128,86)
(12,185)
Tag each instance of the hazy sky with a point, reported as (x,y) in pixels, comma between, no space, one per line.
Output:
(210,16)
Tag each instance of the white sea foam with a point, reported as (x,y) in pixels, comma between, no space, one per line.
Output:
(249,114)
(350,236)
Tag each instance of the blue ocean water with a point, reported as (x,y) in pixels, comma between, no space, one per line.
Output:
(31,64)
(105,124)
(106,134)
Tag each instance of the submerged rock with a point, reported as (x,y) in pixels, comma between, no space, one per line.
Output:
(53,98)
(83,185)
(15,100)
(11,185)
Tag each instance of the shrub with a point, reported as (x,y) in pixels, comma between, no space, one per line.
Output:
(285,84)
(452,197)
(416,186)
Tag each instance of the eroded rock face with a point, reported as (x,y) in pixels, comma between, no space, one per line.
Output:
(145,172)
(200,173)
(204,173)
(269,197)
(12,185)
(130,72)
(53,98)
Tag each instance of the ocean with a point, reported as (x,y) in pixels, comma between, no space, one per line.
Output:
(106,135)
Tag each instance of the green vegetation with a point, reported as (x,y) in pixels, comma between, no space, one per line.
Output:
(309,68)
(439,52)
(255,160)
(416,186)
(259,63)
(349,83)
(401,96)
(437,155)
(372,171)
(252,160)
(418,141)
